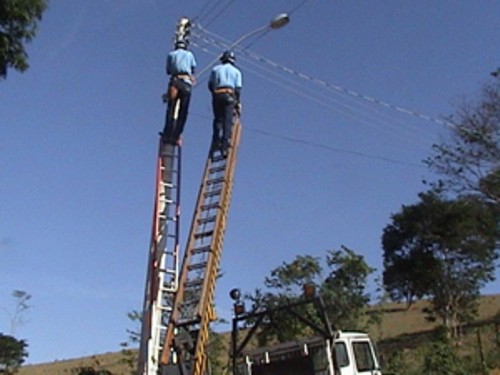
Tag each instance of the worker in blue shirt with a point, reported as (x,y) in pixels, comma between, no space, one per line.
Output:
(225,85)
(180,66)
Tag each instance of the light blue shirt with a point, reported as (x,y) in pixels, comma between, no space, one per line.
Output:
(180,61)
(225,75)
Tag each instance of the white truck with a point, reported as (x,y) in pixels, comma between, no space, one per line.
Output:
(328,352)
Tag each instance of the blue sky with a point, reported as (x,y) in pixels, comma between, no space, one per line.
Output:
(320,165)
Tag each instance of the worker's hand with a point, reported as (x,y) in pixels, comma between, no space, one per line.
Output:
(193,80)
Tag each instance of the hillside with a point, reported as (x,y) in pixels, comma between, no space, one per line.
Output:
(396,321)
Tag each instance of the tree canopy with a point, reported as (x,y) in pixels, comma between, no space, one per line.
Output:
(12,354)
(342,288)
(18,26)
(468,161)
(441,249)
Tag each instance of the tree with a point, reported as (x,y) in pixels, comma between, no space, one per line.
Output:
(441,357)
(442,249)
(18,26)
(12,354)
(469,161)
(285,286)
(129,355)
(343,291)
(17,318)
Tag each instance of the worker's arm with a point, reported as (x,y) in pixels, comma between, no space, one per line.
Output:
(169,65)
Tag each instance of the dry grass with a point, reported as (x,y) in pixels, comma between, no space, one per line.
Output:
(396,321)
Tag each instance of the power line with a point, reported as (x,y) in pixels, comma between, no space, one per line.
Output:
(320,145)
(335,149)
(357,112)
(332,86)
(201,16)
(221,11)
(298,7)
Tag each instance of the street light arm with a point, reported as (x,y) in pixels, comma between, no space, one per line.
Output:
(276,23)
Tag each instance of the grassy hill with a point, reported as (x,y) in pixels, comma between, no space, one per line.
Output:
(397,324)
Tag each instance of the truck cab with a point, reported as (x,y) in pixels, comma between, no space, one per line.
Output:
(328,352)
(347,353)
(355,354)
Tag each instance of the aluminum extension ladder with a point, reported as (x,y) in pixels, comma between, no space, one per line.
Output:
(163,264)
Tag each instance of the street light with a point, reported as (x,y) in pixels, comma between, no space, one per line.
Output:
(277,22)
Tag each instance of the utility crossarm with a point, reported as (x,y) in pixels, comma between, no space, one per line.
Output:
(187,332)
(163,264)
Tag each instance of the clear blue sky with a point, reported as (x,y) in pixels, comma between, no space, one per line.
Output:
(316,169)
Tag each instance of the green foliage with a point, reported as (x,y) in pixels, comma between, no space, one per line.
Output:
(129,355)
(398,363)
(289,278)
(18,26)
(441,359)
(216,352)
(96,369)
(12,354)
(89,371)
(342,290)
(468,160)
(444,250)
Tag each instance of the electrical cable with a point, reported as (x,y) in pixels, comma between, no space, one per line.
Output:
(208,23)
(324,85)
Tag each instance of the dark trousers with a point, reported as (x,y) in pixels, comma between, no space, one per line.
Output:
(175,126)
(223,108)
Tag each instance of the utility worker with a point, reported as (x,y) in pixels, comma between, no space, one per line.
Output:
(225,85)
(180,66)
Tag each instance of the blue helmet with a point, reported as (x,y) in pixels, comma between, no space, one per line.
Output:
(228,56)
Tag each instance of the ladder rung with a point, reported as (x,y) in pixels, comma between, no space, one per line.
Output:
(192,283)
(214,181)
(217,158)
(199,250)
(210,206)
(168,218)
(164,215)
(212,193)
(207,220)
(168,271)
(187,322)
(165,308)
(169,289)
(217,168)
(203,234)
(197,266)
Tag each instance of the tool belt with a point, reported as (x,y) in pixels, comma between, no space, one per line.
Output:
(224,90)
(173,87)
(183,76)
